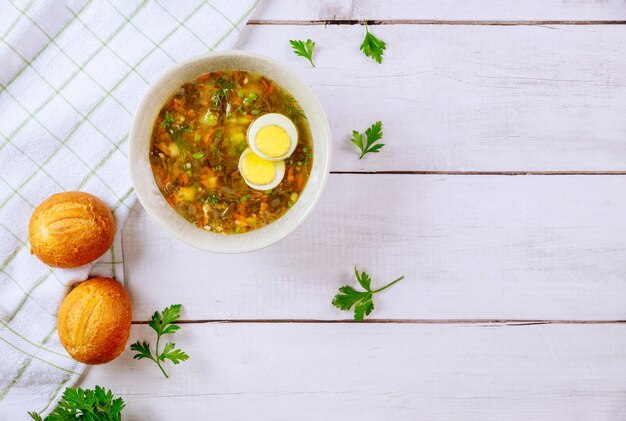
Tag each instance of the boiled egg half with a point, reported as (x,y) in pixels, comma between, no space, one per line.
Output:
(273,137)
(258,172)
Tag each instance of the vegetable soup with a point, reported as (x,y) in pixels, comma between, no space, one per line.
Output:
(197,144)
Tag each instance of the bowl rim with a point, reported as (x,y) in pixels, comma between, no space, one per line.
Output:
(166,216)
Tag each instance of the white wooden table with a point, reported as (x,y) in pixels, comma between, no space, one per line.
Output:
(501,196)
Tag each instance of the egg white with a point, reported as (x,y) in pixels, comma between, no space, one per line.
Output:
(269,120)
(278,166)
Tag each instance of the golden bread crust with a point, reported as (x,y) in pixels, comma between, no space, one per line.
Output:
(94,321)
(71,229)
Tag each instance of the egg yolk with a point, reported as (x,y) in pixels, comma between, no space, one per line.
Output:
(258,170)
(273,141)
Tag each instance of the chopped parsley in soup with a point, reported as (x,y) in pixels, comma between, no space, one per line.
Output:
(231,151)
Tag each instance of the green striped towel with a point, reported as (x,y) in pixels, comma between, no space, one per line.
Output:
(71,76)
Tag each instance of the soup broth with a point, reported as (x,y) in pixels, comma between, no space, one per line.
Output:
(197,141)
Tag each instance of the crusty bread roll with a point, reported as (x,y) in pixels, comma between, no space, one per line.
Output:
(94,321)
(71,229)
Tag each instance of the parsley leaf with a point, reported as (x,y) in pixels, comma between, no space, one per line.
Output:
(85,404)
(373,135)
(302,49)
(361,300)
(143,349)
(163,324)
(372,46)
(170,352)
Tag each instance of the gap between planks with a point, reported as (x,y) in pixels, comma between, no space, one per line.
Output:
(506,322)
(509,173)
(326,22)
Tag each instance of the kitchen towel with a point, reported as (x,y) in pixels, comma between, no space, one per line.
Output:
(71,75)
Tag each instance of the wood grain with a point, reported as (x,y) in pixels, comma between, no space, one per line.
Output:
(471,247)
(442,10)
(468,98)
(473,95)
(371,372)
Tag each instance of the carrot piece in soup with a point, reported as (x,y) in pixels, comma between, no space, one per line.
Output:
(300,181)
(184,179)
(203,78)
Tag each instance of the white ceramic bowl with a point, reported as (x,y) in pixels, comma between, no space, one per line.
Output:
(141,172)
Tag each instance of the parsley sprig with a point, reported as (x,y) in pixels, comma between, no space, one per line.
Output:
(372,46)
(303,49)
(85,404)
(163,324)
(373,135)
(361,300)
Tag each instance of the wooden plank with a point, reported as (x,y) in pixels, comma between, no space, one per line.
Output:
(468,98)
(378,371)
(443,10)
(471,247)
